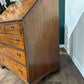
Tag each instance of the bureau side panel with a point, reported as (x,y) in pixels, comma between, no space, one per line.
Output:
(41,27)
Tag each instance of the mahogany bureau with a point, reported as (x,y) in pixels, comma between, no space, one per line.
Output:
(29,38)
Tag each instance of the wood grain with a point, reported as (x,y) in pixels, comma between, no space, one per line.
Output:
(14,40)
(14,66)
(17,11)
(13,53)
(41,27)
(2,30)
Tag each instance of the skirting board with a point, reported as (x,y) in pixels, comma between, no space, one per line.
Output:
(62,46)
(77,64)
(80,68)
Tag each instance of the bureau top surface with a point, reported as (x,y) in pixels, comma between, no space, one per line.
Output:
(17,11)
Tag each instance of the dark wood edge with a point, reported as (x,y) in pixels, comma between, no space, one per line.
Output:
(11,21)
(28,78)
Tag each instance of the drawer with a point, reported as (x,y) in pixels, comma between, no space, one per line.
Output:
(13,53)
(14,66)
(14,28)
(2,29)
(14,40)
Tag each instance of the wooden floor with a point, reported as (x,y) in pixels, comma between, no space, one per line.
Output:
(69,74)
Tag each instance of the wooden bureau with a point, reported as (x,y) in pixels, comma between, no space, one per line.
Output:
(29,39)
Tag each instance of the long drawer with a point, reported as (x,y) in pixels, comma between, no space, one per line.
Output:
(15,40)
(14,66)
(14,53)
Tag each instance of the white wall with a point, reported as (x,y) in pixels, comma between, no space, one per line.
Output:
(74,32)
(73,11)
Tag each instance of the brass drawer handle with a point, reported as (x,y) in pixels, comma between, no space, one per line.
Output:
(12,27)
(16,40)
(20,71)
(18,55)
(2,59)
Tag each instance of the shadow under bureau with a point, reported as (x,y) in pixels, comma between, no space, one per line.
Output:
(29,38)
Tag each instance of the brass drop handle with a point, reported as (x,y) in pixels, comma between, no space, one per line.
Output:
(12,27)
(2,59)
(18,54)
(16,40)
(20,71)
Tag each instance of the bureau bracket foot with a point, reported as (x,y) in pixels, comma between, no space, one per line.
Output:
(3,67)
(57,70)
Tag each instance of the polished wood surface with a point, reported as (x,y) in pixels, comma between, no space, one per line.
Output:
(13,53)
(17,11)
(33,34)
(14,40)
(41,28)
(2,30)
(14,66)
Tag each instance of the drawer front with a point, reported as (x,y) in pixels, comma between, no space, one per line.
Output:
(14,28)
(2,29)
(14,66)
(15,54)
(15,40)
